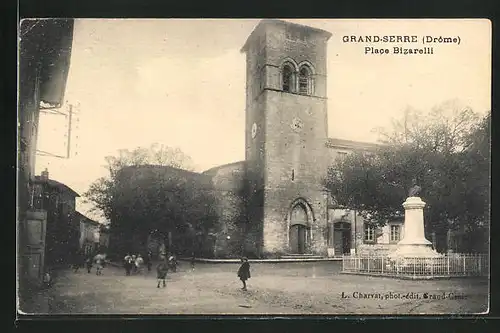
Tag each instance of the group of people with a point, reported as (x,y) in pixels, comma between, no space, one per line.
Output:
(88,260)
(135,263)
(169,262)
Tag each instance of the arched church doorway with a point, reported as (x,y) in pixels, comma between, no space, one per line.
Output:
(298,229)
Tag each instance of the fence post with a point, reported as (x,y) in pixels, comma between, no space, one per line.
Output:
(464,264)
(369,263)
(383,265)
(448,264)
(414,265)
(480,259)
(432,267)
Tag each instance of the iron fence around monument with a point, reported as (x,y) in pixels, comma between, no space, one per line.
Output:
(450,265)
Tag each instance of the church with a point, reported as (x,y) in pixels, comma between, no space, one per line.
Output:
(274,203)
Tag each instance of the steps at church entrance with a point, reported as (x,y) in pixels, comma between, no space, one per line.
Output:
(301,256)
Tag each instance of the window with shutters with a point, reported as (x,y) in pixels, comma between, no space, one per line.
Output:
(395,233)
(369,231)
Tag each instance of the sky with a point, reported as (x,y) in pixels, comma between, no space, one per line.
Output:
(181,83)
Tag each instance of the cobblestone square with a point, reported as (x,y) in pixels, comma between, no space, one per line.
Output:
(283,288)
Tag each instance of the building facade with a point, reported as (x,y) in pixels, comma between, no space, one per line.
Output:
(63,227)
(44,57)
(104,237)
(89,241)
(348,231)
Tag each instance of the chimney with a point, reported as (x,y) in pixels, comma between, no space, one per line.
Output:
(45,174)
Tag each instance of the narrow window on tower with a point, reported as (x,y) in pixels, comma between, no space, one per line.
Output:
(293,175)
(305,80)
(288,78)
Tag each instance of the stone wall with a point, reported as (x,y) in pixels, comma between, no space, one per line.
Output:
(231,218)
(254,228)
(229,191)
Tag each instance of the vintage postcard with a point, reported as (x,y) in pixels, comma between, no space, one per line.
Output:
(254,167)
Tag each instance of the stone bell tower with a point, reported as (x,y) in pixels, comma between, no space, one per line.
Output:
(286,132)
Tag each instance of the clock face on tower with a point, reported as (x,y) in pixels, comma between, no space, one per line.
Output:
(254,130)
(297,124)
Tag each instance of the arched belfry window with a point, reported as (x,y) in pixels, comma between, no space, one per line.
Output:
(288,78)
(306,84)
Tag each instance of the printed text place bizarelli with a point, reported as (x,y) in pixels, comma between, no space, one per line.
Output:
(401,44)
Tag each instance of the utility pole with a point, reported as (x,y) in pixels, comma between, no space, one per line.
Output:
(69,116)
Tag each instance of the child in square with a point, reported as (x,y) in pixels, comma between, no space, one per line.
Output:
(127,263)
(99,261)
(139,263)
(244,272)
(89,264)
(161,271)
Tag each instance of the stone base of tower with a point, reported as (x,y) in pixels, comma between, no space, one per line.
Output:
(276,242)
(294,222)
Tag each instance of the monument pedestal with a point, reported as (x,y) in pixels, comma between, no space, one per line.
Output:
(414,244)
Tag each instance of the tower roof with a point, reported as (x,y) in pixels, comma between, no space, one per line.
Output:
(267,22)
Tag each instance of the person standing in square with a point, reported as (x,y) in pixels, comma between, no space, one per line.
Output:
(161,271)
(99,261)
(127,263)
(244,272)
(134,266)
(89,263)
(149,260)
(193,259)
(139,263)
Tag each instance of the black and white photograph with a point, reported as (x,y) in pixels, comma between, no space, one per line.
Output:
(253,166)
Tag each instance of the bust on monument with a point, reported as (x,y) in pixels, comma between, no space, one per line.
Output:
(414,190)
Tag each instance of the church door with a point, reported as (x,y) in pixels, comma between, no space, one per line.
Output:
(298,239)
(298,230)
